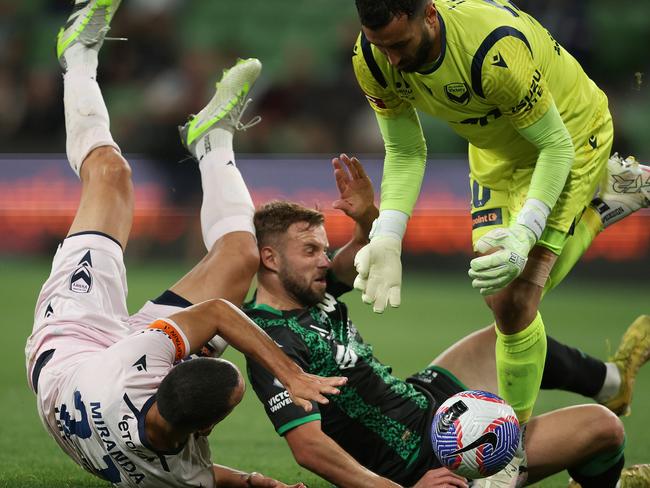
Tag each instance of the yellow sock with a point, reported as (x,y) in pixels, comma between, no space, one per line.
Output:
(520,365)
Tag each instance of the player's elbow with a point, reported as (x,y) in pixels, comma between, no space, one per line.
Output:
(306,454)
(306,458)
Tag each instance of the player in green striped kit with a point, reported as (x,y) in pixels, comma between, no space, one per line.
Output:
(376,432)
(539,133)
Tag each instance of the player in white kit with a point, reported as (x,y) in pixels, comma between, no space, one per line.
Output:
(113,389)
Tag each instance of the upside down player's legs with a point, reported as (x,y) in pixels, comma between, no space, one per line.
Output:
(226,211)
(227,208)
(106,204)
(227,225)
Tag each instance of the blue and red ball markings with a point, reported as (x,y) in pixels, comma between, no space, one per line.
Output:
(492,460)
(481,395)
(447,438)
(447,442)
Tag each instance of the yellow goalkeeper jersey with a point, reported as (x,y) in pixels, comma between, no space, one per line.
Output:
(499,70)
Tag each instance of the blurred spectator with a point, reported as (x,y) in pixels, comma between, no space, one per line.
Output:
(307,96)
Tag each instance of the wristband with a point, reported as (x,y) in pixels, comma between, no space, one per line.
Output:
(533,215)
(390,223)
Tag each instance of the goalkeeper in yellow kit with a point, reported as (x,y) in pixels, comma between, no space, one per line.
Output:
(540,134)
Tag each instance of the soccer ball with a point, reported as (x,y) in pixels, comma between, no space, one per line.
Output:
(475,434)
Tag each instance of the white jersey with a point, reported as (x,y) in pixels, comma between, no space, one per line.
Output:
(96,370)
(98,415)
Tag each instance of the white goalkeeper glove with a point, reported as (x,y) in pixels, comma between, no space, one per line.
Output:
(380,272)
(379,262)
(493,272)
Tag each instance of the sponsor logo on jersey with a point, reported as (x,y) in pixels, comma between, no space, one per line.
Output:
(81,280)
(534,94)
(279,401)
(483,121)
(593,142)
(345,357)
(324,333)
(490,216)
(49,311)
(458,93)
(378,102)
(328,304)
(404,90)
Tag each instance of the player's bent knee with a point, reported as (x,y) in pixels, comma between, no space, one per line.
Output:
(243,252)
(105,165)
(608,430)
(514,305)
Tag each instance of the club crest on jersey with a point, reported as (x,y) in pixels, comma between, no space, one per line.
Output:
(458,93)
(81,280)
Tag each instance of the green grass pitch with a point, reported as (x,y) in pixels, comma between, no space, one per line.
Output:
(436,310)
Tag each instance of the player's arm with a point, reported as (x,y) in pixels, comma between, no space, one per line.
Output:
(226,477)
(310,446)
(519,90)
(319,453)
(378,263)
(356,200)
(203,321)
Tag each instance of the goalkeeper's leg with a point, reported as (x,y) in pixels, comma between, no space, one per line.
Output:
(521,338)
(625,191)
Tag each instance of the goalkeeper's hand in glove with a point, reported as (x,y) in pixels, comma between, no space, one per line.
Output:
(380,272)
(493,272)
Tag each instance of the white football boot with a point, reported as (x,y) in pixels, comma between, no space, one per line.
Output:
(627,189)
(88,24)
(227,106)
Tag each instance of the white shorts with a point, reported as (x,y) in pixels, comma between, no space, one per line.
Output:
(81,308)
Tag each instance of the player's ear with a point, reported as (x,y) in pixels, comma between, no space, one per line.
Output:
(430,13)
(269,258)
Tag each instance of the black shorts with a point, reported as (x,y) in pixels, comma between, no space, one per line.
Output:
(437,384)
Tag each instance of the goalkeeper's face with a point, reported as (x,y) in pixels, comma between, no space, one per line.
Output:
(409,43)
(303,263)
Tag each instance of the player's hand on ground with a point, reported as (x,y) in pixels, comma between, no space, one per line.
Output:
(257,479)
(380,272)
(356,194)
(303,388)
(491,273)
(439,478)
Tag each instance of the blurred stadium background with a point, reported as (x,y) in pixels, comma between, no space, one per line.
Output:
(312,109)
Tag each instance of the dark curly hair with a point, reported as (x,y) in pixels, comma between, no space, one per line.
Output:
(197,393)
(375,14)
